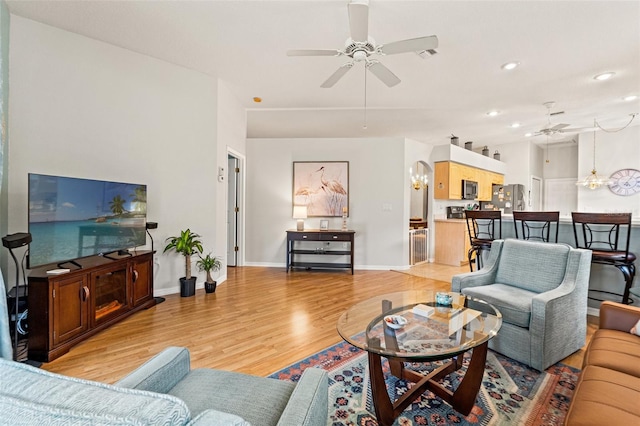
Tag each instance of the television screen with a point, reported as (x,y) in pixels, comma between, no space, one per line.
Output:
(70,218)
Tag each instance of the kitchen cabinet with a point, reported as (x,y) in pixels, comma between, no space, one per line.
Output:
(449,175)
(452,242)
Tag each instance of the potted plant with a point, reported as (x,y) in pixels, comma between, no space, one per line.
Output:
(209,263)
(186,244)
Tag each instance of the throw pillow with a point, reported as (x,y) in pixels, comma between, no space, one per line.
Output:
(636,328)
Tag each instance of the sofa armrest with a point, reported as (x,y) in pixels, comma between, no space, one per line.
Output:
(616,316)
(308,404)
(161,373)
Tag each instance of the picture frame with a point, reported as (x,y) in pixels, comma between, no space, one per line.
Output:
(324,225)
(322,186)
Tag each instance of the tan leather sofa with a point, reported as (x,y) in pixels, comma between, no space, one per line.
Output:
(608,391)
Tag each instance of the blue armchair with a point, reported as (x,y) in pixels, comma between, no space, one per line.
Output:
(541,291)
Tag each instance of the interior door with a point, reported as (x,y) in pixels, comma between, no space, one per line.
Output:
(232,211)
(535,196)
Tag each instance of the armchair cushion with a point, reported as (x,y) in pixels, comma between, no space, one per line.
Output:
(202,389)
(513,303)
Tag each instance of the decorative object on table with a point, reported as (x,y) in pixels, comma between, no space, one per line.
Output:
(395,321)
(187,244)
(321,186)
(300,213)
(454,139)
(468,145)
(625,182)
(496,155)
(324,225)
(485,151)
(345,214)
(209,264)
(443,299)
(538,396)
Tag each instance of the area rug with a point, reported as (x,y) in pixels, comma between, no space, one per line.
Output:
(511,392)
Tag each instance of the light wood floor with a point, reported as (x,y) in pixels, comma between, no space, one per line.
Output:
(259,321)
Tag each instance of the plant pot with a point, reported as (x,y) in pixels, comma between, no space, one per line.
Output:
(210,287)
(187,287)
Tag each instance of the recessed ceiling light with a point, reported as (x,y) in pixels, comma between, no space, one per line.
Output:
(604,76)
(493,113)
(257,99)
(528,135)
(515,125)
(510,65)
(630,98)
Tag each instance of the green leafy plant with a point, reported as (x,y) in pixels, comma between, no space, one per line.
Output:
(187,244)
(208,264)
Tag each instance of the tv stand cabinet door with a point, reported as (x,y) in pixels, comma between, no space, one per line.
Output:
(141,277)
(70,309)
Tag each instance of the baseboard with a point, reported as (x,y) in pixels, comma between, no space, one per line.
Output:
(593,312)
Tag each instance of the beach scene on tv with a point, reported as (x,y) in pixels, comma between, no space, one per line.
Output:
(71,218)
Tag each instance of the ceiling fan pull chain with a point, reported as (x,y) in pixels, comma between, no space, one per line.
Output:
(365,97)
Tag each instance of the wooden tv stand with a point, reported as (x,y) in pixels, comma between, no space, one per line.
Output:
(68,308)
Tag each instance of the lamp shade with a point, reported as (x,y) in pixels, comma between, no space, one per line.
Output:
(299,212)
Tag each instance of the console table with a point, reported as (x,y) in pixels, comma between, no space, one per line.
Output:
(300,243)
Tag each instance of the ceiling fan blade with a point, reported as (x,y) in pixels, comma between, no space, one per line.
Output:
(340,72)
(559,126)
(579,129)
(313,52)
(383,73)
(411,45)
(359,20)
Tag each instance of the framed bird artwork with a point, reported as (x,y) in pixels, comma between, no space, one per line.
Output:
(322,186)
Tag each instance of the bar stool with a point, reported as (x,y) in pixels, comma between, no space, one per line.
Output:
(481,226)
(600,233)
(536,225)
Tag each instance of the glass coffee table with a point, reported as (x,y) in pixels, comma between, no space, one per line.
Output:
(432,332)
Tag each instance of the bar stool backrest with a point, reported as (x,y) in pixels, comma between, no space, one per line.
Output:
(602,232)
(536,225)
(482,224)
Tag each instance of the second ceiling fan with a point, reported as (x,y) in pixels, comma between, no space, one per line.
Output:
(360,47)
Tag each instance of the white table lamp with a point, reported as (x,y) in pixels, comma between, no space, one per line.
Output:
(300,213)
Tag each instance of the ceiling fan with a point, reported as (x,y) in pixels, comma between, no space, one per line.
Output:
(360,47)
(550,130)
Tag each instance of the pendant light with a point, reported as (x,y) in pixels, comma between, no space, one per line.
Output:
(593,181)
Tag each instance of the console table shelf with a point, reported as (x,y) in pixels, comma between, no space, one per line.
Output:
(295,238)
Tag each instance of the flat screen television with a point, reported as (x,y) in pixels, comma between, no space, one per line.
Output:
(71,218)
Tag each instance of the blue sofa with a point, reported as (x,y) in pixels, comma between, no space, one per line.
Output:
(163,391)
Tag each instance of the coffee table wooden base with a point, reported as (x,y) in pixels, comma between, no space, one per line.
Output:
(462,399)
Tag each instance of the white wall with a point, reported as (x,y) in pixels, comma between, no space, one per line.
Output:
(378,202)
(614,151)
(563,162)
(82,108)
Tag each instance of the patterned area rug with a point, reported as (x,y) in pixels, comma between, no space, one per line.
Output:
(511,392)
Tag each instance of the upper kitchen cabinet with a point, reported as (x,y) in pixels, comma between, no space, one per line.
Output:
(453,164)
